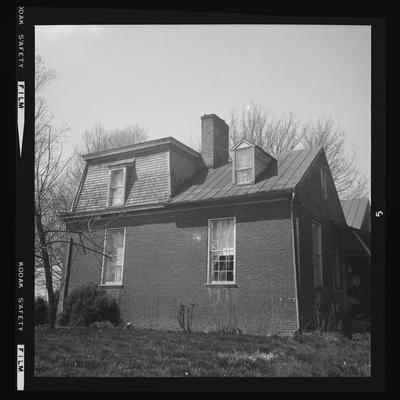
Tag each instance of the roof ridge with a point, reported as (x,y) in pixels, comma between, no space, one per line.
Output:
(139,146)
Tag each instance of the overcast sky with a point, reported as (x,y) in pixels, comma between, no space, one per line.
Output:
(165,77)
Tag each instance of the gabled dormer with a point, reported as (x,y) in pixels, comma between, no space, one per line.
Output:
(249,162)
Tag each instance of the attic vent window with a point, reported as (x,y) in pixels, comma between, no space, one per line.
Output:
(117,187)
(244,166)
(324,184)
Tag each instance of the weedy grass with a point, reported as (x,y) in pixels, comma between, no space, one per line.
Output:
(89,352)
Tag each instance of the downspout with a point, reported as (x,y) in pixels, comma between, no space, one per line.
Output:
(294,258)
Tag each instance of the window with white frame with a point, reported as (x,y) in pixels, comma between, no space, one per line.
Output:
(113,260)
(222,237)
(324,184)
(244,166)
(336,270)
(116,196)
(317,253)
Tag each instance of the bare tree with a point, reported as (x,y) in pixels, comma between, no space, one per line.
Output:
(274,134)
(194,142)
(277,135)
(98,138)
(52,196)
(350,182)
(49,173)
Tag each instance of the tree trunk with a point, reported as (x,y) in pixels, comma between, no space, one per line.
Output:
(47,270)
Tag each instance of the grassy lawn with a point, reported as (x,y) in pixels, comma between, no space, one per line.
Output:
(140,352)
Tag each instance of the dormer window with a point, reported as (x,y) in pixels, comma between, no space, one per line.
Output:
(249,162)
(118,172)
(244,166)
(116,196)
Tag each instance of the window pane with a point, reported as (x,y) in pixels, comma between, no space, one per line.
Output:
(118,273)
(109,274)
(215,266)
(243,158)
(222,235)
(229,276)
(243,176)
(116,196)
(115,241)
(116,178)
(316,248)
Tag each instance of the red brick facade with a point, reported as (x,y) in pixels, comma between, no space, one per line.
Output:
(309,206)
(166,264)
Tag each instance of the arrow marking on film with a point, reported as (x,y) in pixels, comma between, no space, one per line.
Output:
(21,112)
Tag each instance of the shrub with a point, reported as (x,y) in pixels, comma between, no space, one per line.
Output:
(88,304)
(185,316)
(41,311)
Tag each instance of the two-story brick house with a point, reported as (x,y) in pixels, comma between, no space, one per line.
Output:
(250,238)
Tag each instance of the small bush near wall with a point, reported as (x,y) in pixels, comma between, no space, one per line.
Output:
(185,316)
(41,311)
(326,314)
(223,311)
(88,304)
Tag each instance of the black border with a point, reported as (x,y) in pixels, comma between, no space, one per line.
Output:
(24,196)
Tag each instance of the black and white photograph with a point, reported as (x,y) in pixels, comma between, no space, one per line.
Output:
(201,196)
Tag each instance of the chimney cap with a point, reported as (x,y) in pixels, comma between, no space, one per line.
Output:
(206,116)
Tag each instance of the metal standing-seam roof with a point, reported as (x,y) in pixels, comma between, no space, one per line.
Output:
(217,183)
(354,211)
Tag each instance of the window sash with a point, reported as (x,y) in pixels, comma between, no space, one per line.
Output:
(244,175)
(336,271)
(324,184)
(116,192)
(116,196)
(221,268)
(244,165)
(244,159)
(317,254)
(113,260)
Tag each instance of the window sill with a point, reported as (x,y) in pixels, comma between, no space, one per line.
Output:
(221,285)
(244,184)
(111,285)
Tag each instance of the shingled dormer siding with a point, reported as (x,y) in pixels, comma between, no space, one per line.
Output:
(147,181)
(181,169)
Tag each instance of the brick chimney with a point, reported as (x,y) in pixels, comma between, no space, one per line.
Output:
(214,140)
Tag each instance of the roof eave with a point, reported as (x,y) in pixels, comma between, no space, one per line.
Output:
(275,195)
(141,147)
(242,198)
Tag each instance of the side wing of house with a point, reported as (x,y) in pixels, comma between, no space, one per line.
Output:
(320,265)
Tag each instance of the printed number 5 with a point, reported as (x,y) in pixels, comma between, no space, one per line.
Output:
(379,214)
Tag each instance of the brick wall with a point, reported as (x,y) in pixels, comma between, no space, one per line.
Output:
(214,141)
(310,205)
(166,264)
